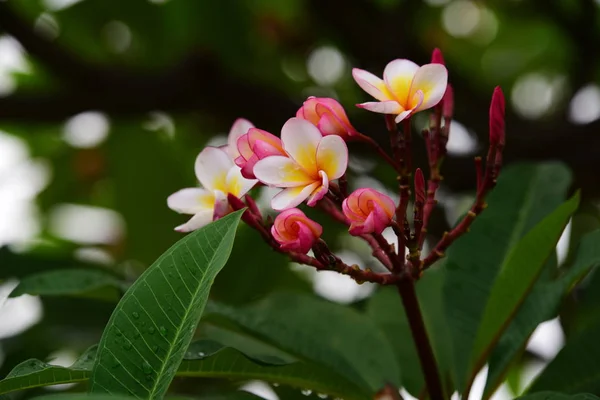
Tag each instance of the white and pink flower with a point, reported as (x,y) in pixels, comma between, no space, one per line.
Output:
(405,89)
(218,176)
(368,211)
(294,231)
(310,162)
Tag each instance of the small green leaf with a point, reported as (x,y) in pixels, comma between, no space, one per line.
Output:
(517,277)
(152,326)
(320,332)
(575,368)
(70,282)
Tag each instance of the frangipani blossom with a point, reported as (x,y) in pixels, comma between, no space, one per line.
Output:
(255,145)
(405,89)
(368,211)
(328,115)
(294,231)
(239,128)
(218,176)
(311,161)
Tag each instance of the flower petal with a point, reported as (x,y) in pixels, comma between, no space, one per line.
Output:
(398,75)
(332,156)
(281,171)
(191,200)
(371,84)
(320,191)
(432,80)
(212,166)
(293,196)
(383,107)
(300,140)
(403,115)
(237,185)
(197,221)
(240,127)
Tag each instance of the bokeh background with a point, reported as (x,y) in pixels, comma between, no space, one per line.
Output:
(104,105)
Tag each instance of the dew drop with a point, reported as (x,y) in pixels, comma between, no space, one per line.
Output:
(147,368)
(119,333)
(135,315)
(322,395)
(148,377)
(162,330)
(127,346)
(155,348)
(201,354)
(275,384)
(151,330)
(143,323)
(306,392)
(189,354)
(116,365)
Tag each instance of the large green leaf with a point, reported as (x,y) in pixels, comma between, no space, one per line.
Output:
(541,305)
(319,331)
(386,310)
(82,396)
(547,395)
(151,327)
(525,194)
(71,282)
(517,277)
(575,368)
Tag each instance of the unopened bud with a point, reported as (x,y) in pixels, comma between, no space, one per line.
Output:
(497,117)
(437,57)
(419,186)
(448,102)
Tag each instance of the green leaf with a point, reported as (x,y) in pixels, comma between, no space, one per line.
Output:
(81,396)
(386,310)
(152,326)
(541,305)
(525,194)
(547,395)
(575,368)
(517,277)
(35,373)
(71,282)
(322,332)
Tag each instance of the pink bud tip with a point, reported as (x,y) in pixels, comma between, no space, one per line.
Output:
(419,186)
(294,231)
(497,117)
(368,211)
(437,57)
(448,102)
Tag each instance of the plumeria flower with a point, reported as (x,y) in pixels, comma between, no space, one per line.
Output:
(311,161)
(405,89)
(294,231)
(219,176)
(368,211)
(328,115)
(255,145)
(239,128)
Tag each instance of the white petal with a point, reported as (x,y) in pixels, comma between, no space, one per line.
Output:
(432,80)
(237,184)
(191,200)
(383,107)
(280,171)
(402,116)
(212,166)
(300,139)
(398,76)
(291,197)
(240,127)
(197,221)
(332,156)
(371,84)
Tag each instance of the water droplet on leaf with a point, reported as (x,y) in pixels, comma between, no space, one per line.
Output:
(135,315)
(147,368)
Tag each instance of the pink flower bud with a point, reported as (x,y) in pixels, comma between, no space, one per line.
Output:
(253,146)
(448,102)
(497,118)
(437,57)
(368,211)
(328,115)
(294,231)
(419,186)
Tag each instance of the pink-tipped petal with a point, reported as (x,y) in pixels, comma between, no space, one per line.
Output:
(265,149)
(437,57)
(320,192)
(382,107)
(280,171)
(402,116)
(197,221)
(398,75)
(240,127)
(329,125)
(221,205)
(300,140)
(212,166)
(293,196)
(432,80)
(191,200)
(371,84)
(332,156)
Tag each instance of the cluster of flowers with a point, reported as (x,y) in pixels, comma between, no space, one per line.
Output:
(308,163)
